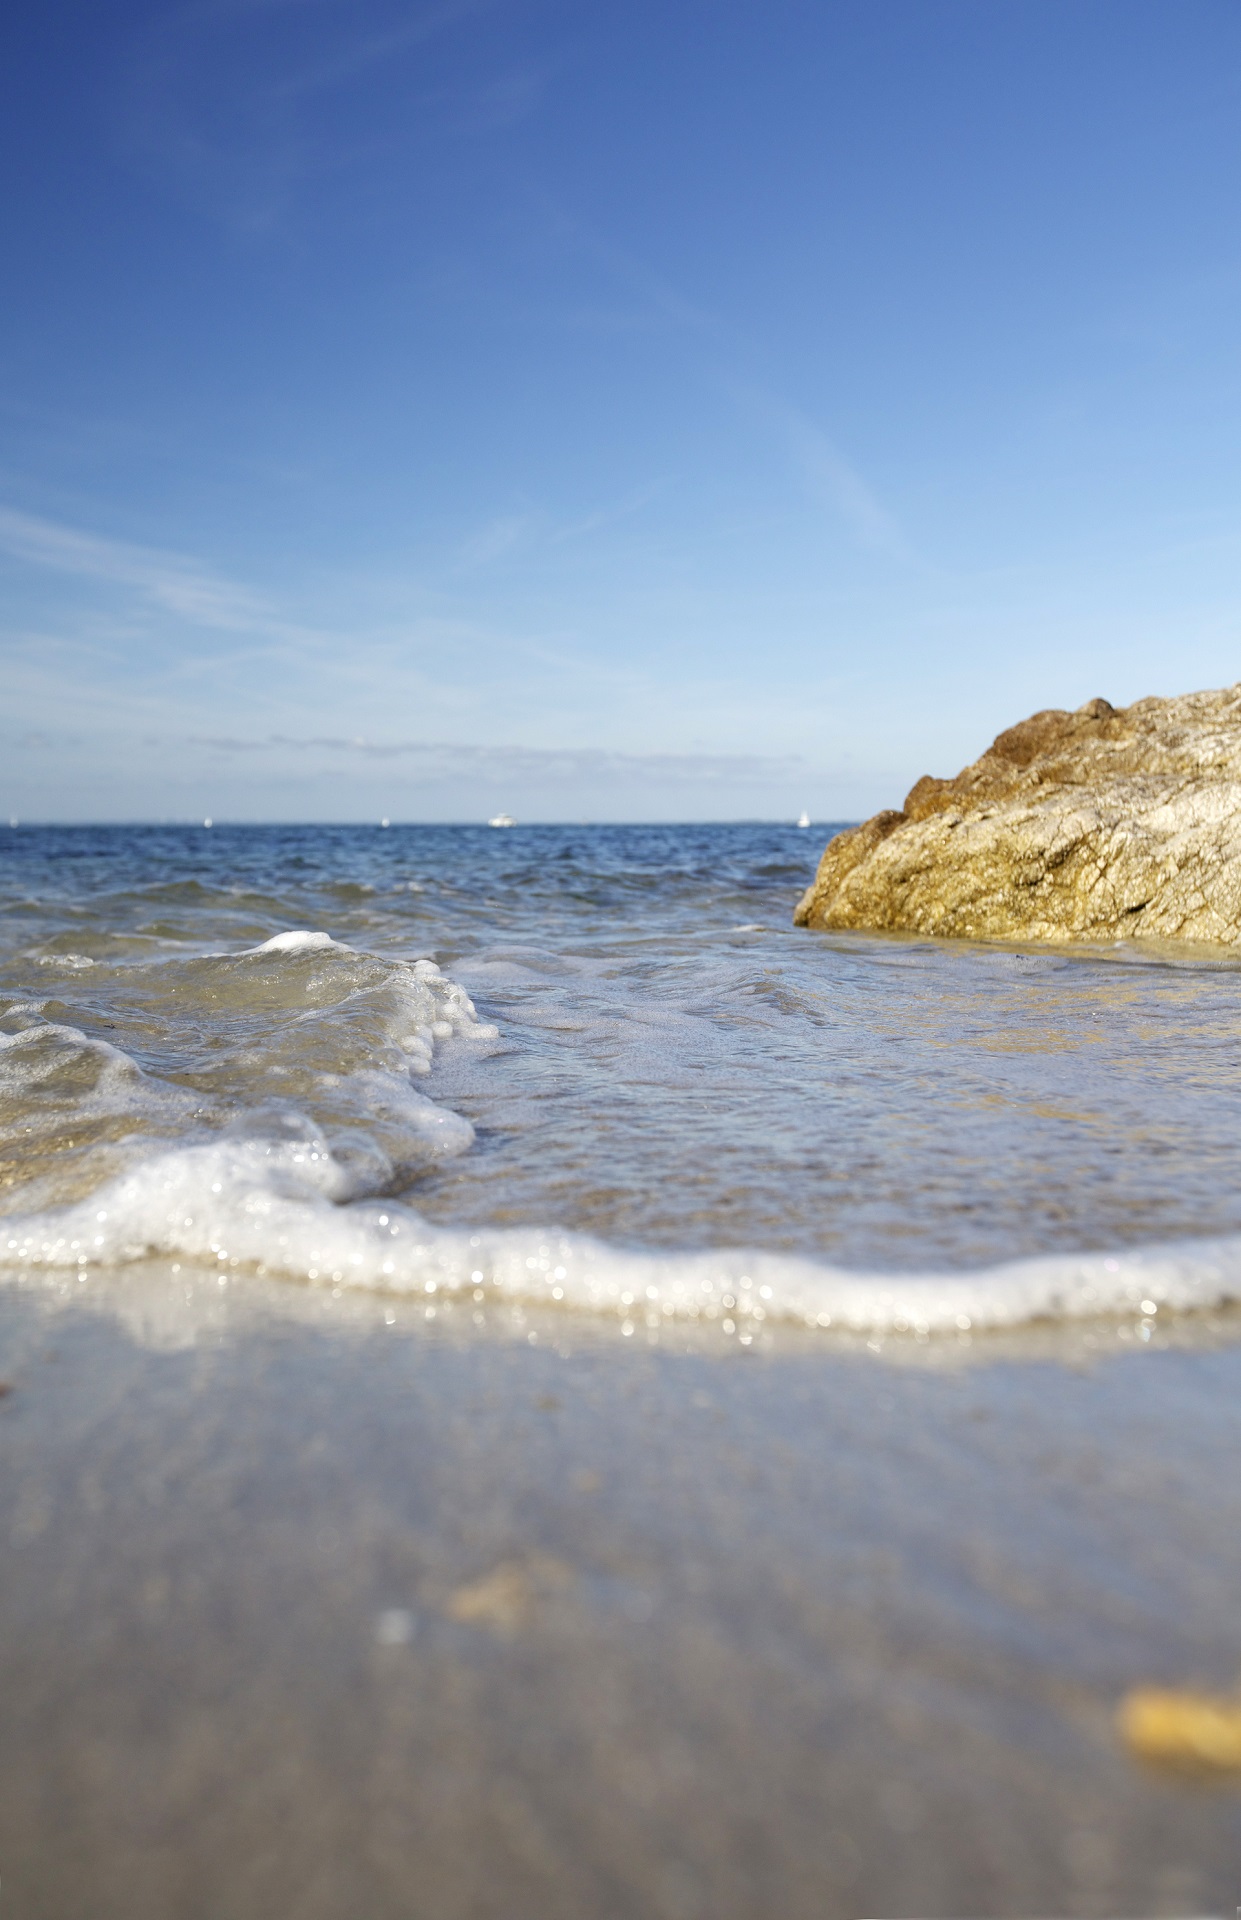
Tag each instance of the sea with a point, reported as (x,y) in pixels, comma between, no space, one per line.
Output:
(532,1387)
(594,1072)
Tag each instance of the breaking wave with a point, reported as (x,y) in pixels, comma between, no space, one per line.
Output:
(268,1144)
(283,1204)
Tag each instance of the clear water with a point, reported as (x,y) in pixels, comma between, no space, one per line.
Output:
(623,1080)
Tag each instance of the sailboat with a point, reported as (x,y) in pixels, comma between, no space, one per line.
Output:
(803,818)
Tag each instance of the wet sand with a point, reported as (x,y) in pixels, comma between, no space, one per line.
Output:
(356,1620)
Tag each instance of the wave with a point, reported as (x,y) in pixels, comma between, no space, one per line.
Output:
(269,1147)
(302,1031)
(283,1205)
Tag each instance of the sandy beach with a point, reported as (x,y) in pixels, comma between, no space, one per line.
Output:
(565,1396)
(320,1617)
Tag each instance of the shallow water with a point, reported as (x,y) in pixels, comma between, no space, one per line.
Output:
(421,1491)
(596,1066)
(355,1620)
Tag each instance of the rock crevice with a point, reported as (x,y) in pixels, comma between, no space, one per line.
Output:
(1105,823)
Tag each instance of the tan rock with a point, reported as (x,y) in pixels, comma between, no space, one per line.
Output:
(1106,823)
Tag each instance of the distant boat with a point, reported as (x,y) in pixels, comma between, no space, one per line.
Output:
(501,820)
(803,819)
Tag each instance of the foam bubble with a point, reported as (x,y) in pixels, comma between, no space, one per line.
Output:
(284,1206)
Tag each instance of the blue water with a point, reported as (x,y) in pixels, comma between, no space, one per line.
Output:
(673,1066)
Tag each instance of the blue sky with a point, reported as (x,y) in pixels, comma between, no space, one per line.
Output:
(610,410)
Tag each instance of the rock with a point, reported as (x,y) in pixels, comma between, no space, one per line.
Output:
(1107,823)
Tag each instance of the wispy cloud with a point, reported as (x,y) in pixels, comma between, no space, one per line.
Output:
(496,104)
(508,533)
(830,477)
(171,582)
(432,760)
(426,651)
(633,503)
(366,50)
(238,120)
(638,278)
(511,533)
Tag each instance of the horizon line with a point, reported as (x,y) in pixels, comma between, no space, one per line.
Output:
(211,822)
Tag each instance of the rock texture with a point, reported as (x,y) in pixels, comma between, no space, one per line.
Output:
(1106,823)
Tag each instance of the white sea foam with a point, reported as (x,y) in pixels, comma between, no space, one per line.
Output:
(282,1206)
(50,1070)
(388,1096)
(285,1185)
(315,1036)
(299,941)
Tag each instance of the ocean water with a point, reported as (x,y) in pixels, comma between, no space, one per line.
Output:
(595,1070)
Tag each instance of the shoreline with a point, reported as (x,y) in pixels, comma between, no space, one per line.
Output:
(172,1306)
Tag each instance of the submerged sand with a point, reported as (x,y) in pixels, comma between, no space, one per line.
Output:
(352,1620)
